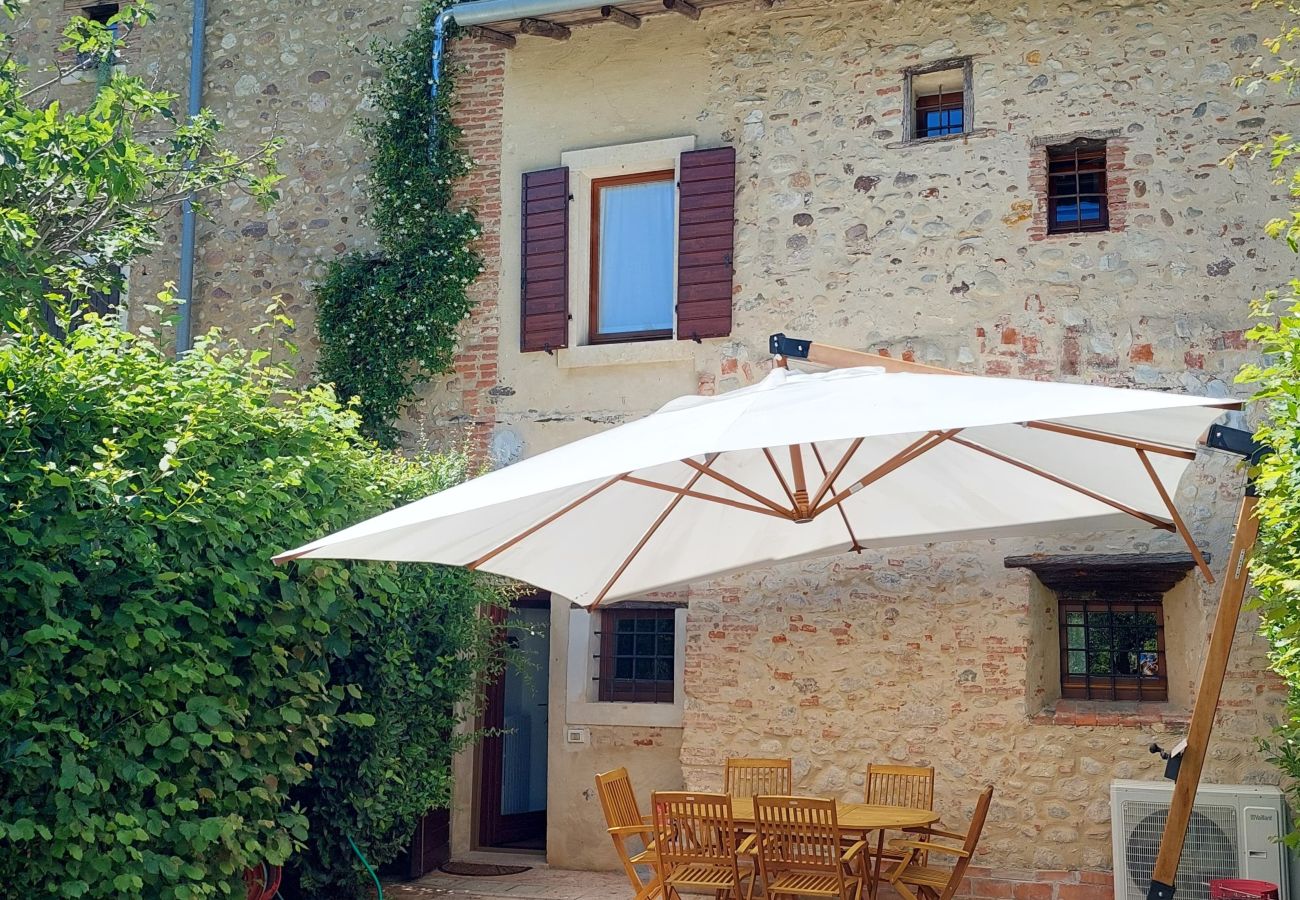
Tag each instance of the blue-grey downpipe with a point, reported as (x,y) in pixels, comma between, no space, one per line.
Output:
(439,45)
(185,323)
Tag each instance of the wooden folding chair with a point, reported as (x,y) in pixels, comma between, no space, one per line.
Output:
(801,850)
(915,880)
(910,786)
(624,822)
(751,777)
(697,843)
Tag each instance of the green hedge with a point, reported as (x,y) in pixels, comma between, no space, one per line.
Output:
(166,693)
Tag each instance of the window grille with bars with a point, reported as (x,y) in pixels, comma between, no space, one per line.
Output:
(1076,188)
(1113,649)
(637,655)
(940,114)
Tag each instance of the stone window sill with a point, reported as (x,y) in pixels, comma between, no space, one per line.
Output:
(941,139)
(642,353)
(1108,713)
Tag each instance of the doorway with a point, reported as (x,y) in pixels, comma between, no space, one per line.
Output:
(512,779)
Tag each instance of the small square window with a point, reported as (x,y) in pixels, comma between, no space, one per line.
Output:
(1076,188)
(637,655)
(1113,649)
(938,100)
(632,257)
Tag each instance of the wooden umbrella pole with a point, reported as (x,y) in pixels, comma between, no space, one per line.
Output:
(1207,701)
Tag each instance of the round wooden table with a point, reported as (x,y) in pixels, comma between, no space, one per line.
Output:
(856,817)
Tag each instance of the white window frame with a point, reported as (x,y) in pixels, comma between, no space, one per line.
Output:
(583,652)
(586,166)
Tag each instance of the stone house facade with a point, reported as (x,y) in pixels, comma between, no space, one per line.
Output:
(851,229)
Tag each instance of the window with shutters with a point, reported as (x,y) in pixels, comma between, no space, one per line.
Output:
(637,655)
(938,100)
(632,257)
(628,244)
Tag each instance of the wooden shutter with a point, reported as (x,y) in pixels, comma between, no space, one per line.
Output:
(706,226)
(544,262)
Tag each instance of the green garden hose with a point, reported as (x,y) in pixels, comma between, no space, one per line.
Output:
(357,850)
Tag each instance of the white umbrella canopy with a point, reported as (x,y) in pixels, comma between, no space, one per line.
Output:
(799,466)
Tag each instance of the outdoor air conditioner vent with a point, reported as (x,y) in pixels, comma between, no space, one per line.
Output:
(1233,833)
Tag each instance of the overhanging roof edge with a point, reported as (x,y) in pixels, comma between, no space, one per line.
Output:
(489,12)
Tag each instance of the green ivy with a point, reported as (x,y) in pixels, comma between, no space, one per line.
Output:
(173,707)
(387,320)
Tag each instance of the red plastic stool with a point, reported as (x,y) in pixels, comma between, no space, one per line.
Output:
(1242,889)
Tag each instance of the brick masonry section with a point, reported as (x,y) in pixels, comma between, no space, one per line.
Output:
(480,88)
(1036,884)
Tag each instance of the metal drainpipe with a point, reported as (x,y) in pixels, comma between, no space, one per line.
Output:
(184,327)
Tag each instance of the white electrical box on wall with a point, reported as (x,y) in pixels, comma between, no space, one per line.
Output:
(575,735)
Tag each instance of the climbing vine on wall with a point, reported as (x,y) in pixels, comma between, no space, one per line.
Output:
(387,319)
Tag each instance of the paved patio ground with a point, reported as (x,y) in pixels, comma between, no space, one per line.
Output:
(535,884)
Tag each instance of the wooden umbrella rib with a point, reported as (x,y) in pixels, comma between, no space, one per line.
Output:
(1105,438)
(780,476)
(547,521)
(645,539)
(712,498)
(1057,479)
(737,486)
(828,482)
(857,547)
(1178,519)
(924,444)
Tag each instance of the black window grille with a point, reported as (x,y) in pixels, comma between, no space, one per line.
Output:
(637,655)
(1113,649)
(1076,188)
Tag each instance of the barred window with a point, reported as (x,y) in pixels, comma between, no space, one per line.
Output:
(940,114)
(938,99)
(637,655)
(1113,649)
(1076,187)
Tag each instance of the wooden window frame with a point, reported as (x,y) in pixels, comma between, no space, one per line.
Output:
(946,102)
(1094,155)
(594,334)
(634,690)
(1113,686)
(959,64)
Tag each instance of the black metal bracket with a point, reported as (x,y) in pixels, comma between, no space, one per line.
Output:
(1173,761)
(1160,891)
(1241,443)
(790,348)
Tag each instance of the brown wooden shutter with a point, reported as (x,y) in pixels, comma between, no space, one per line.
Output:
(544,261)
(706,226)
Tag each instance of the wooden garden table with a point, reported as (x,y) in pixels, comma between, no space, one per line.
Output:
(856,817)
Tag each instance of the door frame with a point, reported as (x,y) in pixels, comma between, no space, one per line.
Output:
(495,829)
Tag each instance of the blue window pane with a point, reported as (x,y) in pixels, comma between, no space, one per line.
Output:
(636,258)
(1089,210)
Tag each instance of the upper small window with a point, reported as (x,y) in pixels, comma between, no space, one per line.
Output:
(637,655)
(1076,187)
(939,99)
(632,257)
(1113,650)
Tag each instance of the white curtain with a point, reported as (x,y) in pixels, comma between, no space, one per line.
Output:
(636,257)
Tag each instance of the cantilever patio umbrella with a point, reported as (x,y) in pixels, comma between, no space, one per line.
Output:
(804,465)
(880,453)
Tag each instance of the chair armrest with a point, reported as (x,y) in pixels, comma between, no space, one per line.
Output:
(927,847)
(748,845)
(853,850)
(630,829)
(936,832)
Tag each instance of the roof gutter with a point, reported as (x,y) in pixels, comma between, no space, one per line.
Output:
(486,12)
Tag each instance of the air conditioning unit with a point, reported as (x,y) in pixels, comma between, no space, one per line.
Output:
(1235,832)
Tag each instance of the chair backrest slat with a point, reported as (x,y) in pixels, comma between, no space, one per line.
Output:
(798,833)
(617,799)
(910,786)
(749,777)
(972,841)
(693,827)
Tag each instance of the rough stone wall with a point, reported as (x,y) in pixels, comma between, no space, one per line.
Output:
(936,252)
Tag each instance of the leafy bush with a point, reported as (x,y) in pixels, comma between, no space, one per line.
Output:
(166,693)
(388,320)
(82,189)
